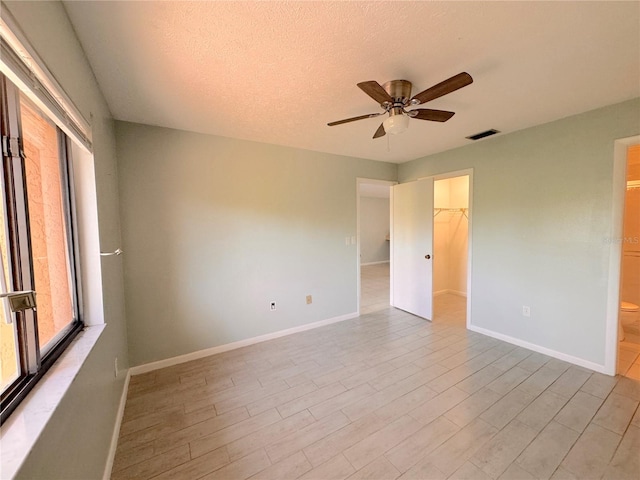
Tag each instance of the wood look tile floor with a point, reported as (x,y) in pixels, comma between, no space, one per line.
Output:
(383,396)
(374,296)
(374,287)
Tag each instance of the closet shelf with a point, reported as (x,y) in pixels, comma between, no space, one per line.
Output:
(463,211)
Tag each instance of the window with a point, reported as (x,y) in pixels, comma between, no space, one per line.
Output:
(38,246)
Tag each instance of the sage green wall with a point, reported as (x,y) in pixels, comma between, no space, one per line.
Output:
(542,200)
(214,229)
(76,441)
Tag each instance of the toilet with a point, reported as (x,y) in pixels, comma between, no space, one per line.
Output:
(629,317)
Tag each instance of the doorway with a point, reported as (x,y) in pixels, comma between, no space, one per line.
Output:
(450,250)
(414,210)
(619,188)
(373,244)
(628,363)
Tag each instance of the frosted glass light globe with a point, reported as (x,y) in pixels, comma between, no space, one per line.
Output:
(396,124)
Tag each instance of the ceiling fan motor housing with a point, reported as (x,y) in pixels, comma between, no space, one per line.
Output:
(399,90)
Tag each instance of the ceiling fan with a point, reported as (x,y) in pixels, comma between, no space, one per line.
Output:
(394,98)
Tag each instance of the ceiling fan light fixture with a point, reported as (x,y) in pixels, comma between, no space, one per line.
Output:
(396,124)
(395,96)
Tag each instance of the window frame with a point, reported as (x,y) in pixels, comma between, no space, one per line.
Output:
(33,362)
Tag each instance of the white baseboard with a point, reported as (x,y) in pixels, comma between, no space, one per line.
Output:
(116,428)
(537,348)
(149,367)
(373,263)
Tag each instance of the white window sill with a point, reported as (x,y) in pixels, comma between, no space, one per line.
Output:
(23,428)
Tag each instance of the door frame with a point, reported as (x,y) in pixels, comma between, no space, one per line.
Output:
(453,174)
(367,181)
(619,181)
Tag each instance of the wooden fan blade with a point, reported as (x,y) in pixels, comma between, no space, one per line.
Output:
(375,91)
(450,85)
(433,115)
(380,131)
(353,119)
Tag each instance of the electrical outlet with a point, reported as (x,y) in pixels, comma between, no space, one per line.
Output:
(272,306)
(526,311)
(115,367)
(309,299)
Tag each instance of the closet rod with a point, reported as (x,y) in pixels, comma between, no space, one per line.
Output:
(450,210)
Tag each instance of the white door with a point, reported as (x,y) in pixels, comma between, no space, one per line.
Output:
(412,247)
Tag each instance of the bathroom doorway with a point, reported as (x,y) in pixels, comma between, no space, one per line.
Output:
(628,363)
(450,250)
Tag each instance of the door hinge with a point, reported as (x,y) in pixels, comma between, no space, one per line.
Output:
(11,147)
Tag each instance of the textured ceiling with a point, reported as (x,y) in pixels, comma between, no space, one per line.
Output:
(277,72)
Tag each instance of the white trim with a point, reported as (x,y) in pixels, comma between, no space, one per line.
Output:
(374,263)
(615,251)
(116,429)
(169,362)
(24,67)
(391,245)
(445,175)
(23,428)
(469,247)
(537,348)
(360,181)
